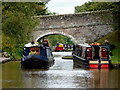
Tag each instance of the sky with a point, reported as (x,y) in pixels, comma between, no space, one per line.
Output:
(64,6)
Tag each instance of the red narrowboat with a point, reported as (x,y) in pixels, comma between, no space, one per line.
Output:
(59,48)
(91,56)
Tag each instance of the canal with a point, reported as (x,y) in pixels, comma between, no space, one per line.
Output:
(61,75)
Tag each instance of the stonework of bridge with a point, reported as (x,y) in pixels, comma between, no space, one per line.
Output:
(81,28)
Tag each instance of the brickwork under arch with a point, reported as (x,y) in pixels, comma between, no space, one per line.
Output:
(56,33)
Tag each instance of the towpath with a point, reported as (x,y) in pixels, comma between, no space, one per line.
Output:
(3,59)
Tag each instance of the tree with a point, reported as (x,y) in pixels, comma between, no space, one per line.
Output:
(18,24)
(41,9)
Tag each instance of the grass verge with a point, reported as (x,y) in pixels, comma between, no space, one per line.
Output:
(113,39)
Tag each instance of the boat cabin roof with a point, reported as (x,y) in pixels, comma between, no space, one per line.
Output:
(29,45)
(84,45)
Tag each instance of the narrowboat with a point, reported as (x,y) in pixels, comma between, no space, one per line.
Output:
(35,56)
(91,56)
(59,48)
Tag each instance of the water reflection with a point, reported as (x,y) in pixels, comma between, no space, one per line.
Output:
(61,75)
(100,79)
(34,78)
(11,75)
(104,79)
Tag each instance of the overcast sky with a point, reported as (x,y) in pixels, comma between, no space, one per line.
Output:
(64,6)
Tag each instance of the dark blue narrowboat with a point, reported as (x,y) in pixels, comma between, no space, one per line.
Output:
(37,57)
(93,56)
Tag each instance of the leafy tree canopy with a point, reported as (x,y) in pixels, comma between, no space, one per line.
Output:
(18,23)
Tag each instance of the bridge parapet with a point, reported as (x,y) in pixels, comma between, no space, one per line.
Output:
(71,20)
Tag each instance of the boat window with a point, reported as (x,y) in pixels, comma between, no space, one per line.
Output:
(103,53)
(76,50)
(37,50)
(83,52)
(89,53)
(32,50)
(104,49)
(80,51)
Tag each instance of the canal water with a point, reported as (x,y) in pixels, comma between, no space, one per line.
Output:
(61,75)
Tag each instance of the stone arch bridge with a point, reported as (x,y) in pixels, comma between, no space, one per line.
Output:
(81,28)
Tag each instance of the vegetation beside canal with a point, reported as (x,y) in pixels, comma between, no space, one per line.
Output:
(113,39)
(17,25)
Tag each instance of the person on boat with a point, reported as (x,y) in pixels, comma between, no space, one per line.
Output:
(66,45)
(32,42)
(73,47)
(108,46)
(57,44)
(63,45)
(70,46)
(45,42)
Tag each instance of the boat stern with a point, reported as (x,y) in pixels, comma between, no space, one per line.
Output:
(99,64)
(94,64)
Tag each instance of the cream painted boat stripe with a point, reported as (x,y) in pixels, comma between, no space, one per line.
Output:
(93,62)
(102,62)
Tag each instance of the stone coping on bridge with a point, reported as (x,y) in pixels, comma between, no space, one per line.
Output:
(80,13)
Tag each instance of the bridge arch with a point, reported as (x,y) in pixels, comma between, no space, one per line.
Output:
(56,33)
(81,28)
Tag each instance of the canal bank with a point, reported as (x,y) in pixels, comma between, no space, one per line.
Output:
(3,60)
(116,65)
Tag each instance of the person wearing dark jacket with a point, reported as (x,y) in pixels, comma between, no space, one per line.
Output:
(107,46)
(67,45)
(73,47)
(57,44)
(32,42)
(45,42)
